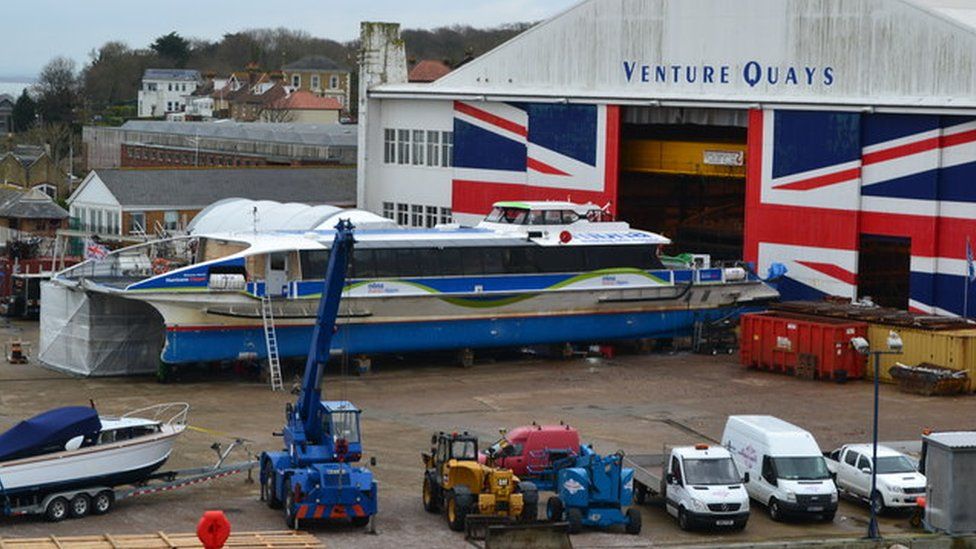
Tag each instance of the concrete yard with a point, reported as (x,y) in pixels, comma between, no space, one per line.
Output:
(636,403)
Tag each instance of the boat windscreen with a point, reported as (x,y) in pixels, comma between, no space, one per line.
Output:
(48,432)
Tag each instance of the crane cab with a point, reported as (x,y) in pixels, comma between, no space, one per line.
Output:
(340,421)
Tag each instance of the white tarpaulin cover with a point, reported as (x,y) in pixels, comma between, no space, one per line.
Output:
(93,334)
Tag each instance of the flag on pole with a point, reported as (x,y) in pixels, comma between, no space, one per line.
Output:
(94,250)
(970,264)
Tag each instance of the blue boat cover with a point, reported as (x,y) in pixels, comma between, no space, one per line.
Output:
(48,432)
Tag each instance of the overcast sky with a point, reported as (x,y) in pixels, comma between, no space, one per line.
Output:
(47,28)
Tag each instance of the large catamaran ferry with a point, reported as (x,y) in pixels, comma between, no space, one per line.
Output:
(531,273)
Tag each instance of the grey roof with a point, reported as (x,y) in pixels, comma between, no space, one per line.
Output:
(171,74)
(7,97)
(28,204)
(314,63)
(337,135)
(954,439)
(196,188)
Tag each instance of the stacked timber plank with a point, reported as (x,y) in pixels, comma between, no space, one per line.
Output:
(874,315)
(160,540)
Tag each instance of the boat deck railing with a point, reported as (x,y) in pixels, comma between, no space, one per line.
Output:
(167,413)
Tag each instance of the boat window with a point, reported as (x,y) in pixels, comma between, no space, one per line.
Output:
(494,259)
(363,264)
(428,262)
(407,262)
(536,217)
(520,260)
(511,216)
(569,216)
(278,260)
(144,430)
(386,263)
(471,261)
(450,261)
(314,263)
(554,217)
(615,257)
(106,437)
(561,259)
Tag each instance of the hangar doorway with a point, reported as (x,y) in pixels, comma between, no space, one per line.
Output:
(884,266)
(683,174)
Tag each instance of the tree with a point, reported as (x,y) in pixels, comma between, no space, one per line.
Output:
(24,113)
(57,91)
(174,47)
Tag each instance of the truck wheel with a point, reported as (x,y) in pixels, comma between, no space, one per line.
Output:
(633,522)
(530,501)
(57,510)
(268,489)
(554,509)
(430,498)
(79,506)
(640,493)
(291,519)
(774,511)
(877,502)
(456,512)
(575,519)
(360,522)
(683,521)
(102,502)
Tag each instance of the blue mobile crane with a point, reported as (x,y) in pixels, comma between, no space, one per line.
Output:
(313,477)
(593,490)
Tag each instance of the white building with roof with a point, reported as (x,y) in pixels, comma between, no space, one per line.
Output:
(165,91)
(835,137)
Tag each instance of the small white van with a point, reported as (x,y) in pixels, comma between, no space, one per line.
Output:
(787,471)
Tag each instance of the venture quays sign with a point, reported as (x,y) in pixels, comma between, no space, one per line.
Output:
(752,73)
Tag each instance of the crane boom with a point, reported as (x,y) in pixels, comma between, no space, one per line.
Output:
(325,325)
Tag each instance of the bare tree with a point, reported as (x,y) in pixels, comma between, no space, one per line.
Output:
(277,112)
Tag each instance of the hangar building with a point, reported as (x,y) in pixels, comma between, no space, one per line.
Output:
(837,137)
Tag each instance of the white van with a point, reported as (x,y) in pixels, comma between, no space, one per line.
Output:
(787,471)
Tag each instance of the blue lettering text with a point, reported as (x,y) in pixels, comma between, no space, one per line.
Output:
(828,75)
(629,70)
(645,73)
(660,73)
(676,69)
(707,73)
(752,73)
(791,76)
(810,73)
(724,78)
(691,74)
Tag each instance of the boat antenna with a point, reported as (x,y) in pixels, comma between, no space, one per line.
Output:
(254,219)
(91,402)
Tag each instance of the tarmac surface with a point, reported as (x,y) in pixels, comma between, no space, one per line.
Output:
(637,403)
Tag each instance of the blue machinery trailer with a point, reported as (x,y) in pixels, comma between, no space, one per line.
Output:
(313,477)
(593,490)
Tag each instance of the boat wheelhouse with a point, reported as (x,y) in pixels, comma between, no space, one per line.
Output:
(530,273)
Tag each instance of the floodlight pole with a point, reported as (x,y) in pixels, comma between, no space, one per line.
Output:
(874,532)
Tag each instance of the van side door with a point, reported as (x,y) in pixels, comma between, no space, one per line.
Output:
(767,484)
(676,493)
(847,470)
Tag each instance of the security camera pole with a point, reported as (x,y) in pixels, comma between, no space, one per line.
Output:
(862,346)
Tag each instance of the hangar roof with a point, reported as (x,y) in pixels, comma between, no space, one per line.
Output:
(895,55)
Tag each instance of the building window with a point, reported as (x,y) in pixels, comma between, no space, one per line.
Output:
(403,146)
(446,216)
(137,222)
(388,210)
(433,148)
(334,82)
(431,218)
(417,216)
(403,217)
(447,149)
(296,80)
(418,147)
(100,221)
(171,220)
(389,146)
(315,82)
(169,86)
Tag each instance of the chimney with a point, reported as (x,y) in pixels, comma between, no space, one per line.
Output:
(252,73)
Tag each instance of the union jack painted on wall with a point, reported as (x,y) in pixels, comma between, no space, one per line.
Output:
(818,180)
(533,151)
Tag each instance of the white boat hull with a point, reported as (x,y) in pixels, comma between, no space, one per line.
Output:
(107,465)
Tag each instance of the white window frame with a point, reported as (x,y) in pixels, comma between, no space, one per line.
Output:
(418,146)
(133,224)
(389,210)
(433,148)
(389,146)
(430,216)
(315,81)
(416,215)
(403,214)
(447,149)
(175,223)
(446,216)
(334,82)
(403,146)
(296,80)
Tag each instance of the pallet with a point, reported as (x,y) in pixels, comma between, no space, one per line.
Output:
(161,540)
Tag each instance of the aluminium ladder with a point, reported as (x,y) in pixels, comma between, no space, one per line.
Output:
(271,342)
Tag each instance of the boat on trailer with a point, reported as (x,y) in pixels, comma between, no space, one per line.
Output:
(74,447)
(531,273)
